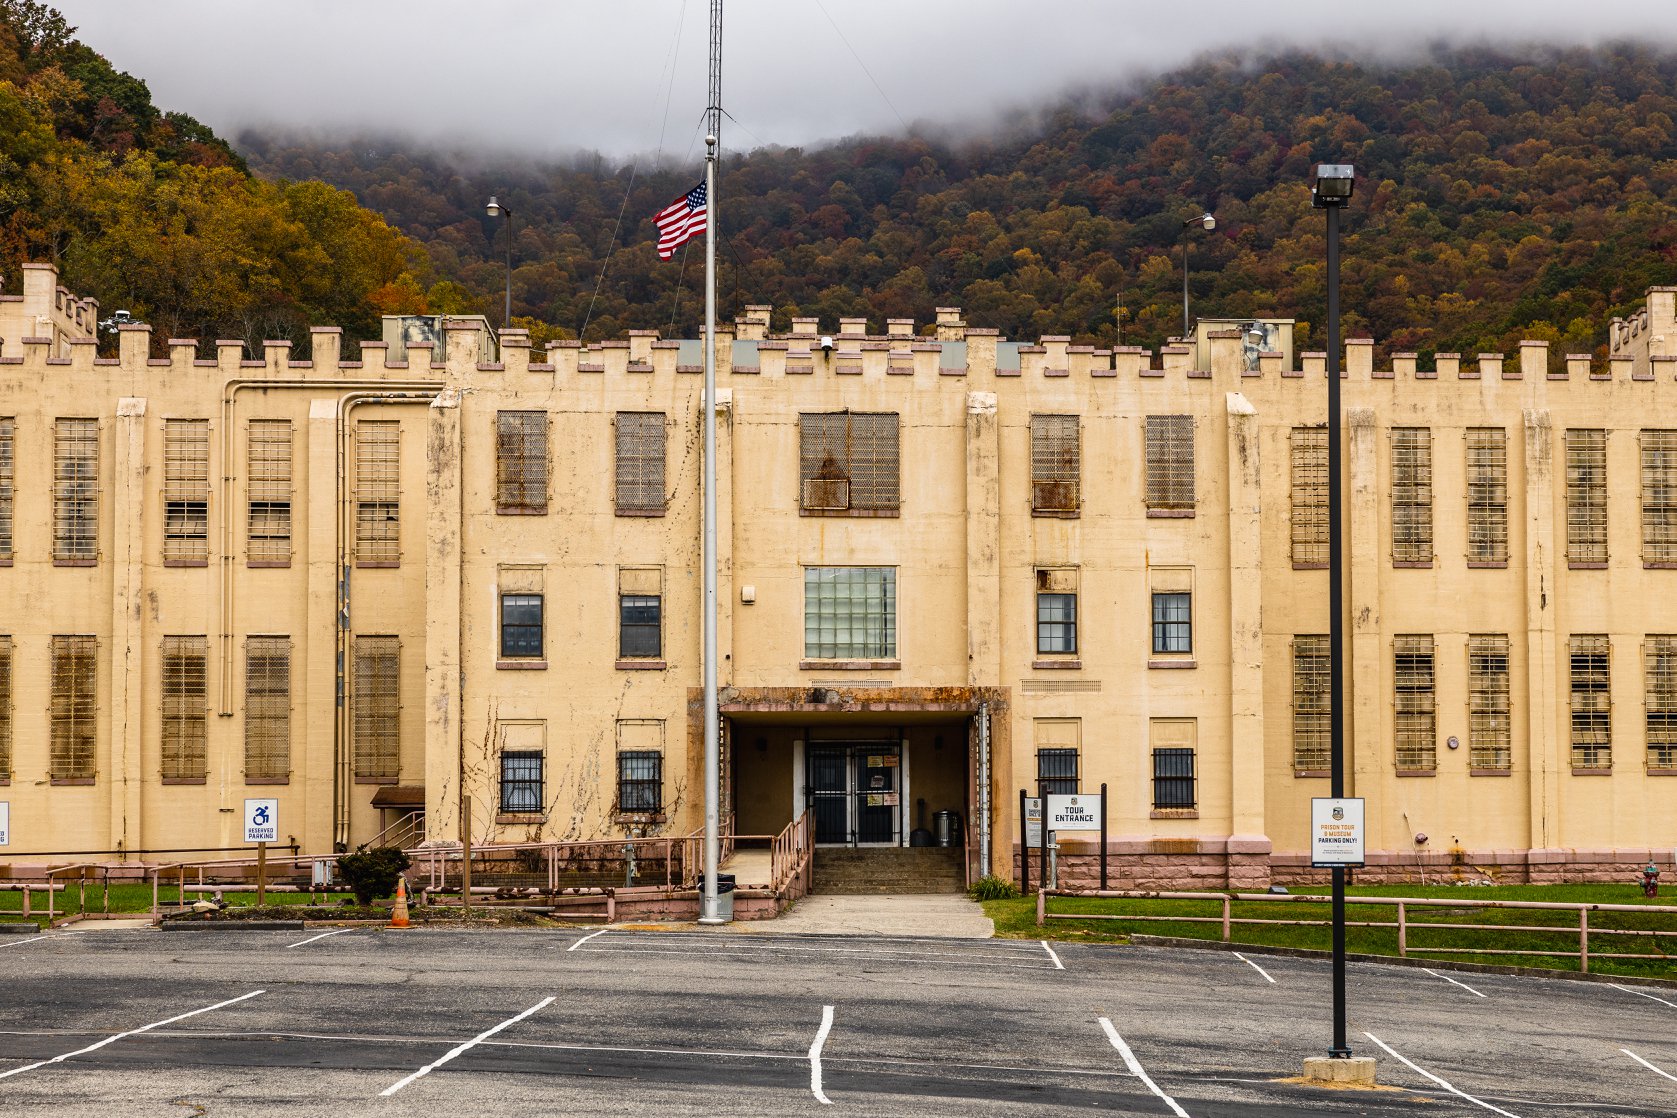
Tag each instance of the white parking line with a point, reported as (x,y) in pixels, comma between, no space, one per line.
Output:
(1650,1067)
(1454,1091)
(815,1056)
(1255,967)
(583,940)
(1633,990)
(1135,1068)
(40,939)
(459,1048)
(130,1032)
(1453,982)
(1057,964)
(322,935)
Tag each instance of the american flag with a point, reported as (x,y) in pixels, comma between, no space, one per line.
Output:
(680,221)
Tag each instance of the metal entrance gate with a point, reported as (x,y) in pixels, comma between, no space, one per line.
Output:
(855,791)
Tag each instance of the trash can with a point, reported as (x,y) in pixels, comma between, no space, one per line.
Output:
(946,826)
(724,895)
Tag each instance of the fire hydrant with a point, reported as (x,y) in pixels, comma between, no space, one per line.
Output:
(1650,880)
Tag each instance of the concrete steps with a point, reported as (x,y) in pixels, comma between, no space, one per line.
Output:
(889,870)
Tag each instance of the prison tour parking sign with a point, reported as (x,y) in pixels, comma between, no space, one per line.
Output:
(5,823)
(1336,832)
(261,820)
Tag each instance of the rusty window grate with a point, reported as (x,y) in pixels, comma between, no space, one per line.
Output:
(75,528)
(1311,745)
(1310,496)
(848,461)
(1592,705)
(1415,702)
(5,707)
(185,707)
(75,697)
(850,613)
(1659,496)
(377,709)
(267,708)
(521,461)
(1169,443)
(8,477)
(186,490)
(521,781)
(1487,495)
(268,521)
(1056,464)
(1586,496)
(1489,731)
(640,462)
(1659,658)
(1411,494)
(640,781)
(378,528)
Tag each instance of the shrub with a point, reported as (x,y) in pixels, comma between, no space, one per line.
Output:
(372,874)
(993,888)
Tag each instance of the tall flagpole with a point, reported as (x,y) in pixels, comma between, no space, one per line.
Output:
(708,913)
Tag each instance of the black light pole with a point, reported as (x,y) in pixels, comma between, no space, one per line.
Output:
(495,209)
(1204,221)
(1331,191)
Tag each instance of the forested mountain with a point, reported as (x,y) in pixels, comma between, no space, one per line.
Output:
(1502,194)
(150,212)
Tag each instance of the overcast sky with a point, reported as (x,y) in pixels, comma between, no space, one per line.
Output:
(555,76)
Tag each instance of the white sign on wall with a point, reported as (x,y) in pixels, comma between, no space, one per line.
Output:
(1074,812)
(5,823)
(1033,822)
(261,820)
(1336,831)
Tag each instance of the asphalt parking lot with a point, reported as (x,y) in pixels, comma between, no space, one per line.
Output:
(377,1022)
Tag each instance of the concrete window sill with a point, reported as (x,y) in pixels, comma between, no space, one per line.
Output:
(1312,774)
(1169,665)
(850,665)
(1593,770)
(642,665)
(513,818)
(377,780)
(252,781)
(1056,665)
(184,780)
(1417,772)
(1174,813)
(1170,514)
(520,665)
(71,782)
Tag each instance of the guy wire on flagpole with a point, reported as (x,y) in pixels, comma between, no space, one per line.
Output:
(708,908)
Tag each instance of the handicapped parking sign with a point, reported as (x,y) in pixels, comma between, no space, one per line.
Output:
(261,820)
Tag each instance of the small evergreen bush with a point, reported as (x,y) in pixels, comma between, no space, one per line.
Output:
(993,888)
(373,873)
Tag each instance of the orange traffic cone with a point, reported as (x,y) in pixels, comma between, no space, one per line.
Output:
(399,914)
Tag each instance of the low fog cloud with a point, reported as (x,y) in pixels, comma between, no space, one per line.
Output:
(547,78)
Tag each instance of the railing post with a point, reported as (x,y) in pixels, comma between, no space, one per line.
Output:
(26,898)
(155,874)
(1041,906)
(1584,940)
(1225,918)
(1403,932)
(50,913)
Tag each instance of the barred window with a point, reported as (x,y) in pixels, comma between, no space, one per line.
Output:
(521,461)
(75,697)
(640,626)
(185,707)
(5,707)
(1411,495)
(1659,496)
(377,708)
(1415,704)
(1310,496)
(378,530)
(640,781)
(1056,772)
(640,463)
(1592,706)
(186,490)
(1586,496)
(1659,658)
(847,462)
(268,515)
(1489,730)
(1311,744)
(1170,463)
(850,613)
(8,461)
(521,782)
(1173,622)
(1056,464)
(75,530)
(1487,495)
(267,708)
(1173,779)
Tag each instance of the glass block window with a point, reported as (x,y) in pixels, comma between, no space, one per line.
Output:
(8,467)
(850,613)
(1056,772)
(268,514)
(1056,464)
(1173,779)
(75,698)
(1310,496)
(267,708)
(1659,659)
(521,461)
(1415,704)
(1586,496)
(521,626)
(186,490)
(75,529)
(378,485)
(1659,496)
(640,782)
(1169,447)
(640,462)
(185,707)
(1173,622)
(1489,729)
(1411,495)
(521,782)
(1487,495)
(1592,706)
(1311,744)
(376,708)
(848,462)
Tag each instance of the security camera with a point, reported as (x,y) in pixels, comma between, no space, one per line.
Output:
(826,343)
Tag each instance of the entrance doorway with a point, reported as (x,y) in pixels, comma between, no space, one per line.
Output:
(855,793)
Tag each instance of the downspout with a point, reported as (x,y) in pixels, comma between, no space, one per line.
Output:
(984,789)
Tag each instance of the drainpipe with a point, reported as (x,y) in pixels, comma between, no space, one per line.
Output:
(983,789)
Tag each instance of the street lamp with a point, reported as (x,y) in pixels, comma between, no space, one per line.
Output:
(1330,190)
(495,209)
(1208,223)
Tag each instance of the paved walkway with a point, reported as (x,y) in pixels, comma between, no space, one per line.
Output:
(898,914)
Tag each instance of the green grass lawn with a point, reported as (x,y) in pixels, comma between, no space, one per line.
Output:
(1018,918)
(129,898)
